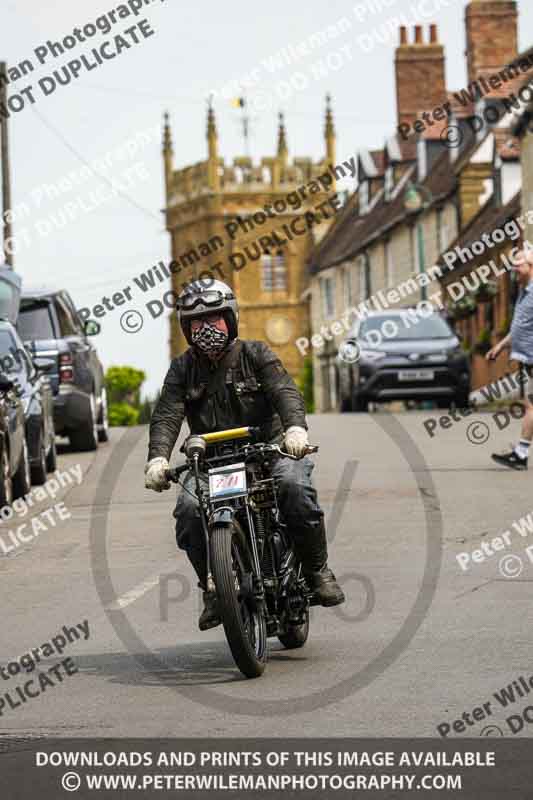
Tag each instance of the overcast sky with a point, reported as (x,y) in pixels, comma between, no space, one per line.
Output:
(197,48)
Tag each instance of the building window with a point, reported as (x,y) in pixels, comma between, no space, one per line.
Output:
(274,271)
(389,183)
(442,231)
(328,297)
(415,250)
(365,278)
(347,288)
(389,266)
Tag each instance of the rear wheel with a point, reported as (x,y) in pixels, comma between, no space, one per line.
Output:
(85,437)
(462,399)
(6,483)
(51,458)
(244,624)
(359,403)
(103,423)
(22,478)
(38,471)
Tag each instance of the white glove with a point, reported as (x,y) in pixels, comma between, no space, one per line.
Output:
(296,441)
(155,474)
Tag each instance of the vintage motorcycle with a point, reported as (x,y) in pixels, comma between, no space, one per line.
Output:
(251,566)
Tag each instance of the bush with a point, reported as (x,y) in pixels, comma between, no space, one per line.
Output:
(122,414)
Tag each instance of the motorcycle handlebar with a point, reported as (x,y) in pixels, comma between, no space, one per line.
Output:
(172,475)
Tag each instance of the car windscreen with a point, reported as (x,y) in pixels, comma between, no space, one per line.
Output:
(35,321)
(409,325)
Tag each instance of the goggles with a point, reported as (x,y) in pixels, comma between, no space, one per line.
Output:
(210,299)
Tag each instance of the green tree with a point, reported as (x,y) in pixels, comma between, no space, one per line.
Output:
(123,386)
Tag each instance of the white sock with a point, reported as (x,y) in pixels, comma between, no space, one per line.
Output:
(522,448)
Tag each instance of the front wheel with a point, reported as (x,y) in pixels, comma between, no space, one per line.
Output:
(244,623)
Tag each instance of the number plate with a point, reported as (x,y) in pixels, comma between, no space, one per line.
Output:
(416,375)
(227,481)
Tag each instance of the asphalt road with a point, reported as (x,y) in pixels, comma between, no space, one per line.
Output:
(419,641)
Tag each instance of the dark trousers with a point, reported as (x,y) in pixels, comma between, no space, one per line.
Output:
(297,501)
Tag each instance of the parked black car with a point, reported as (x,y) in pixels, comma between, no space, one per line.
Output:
(49,325)
(401,355)
(15,478)
(34,389)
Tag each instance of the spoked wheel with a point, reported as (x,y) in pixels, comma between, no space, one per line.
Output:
(244,624)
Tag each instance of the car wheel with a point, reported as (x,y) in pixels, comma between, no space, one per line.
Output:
(359,403)
(444,404)
(38,471)
(6,483)
(462,400)
(103,422)
(51,458)
(22,477)
(345,405)
(85,437)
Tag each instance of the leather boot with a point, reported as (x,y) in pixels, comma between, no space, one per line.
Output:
(210,617)
(311,547)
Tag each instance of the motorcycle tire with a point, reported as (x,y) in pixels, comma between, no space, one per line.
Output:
(295,636)
(244,626)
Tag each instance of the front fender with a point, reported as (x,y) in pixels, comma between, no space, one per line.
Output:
(222,516)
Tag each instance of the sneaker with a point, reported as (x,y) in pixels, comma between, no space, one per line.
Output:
(325,587)
(511,460)
(210,616)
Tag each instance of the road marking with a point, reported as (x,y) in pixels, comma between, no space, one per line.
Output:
(133,594)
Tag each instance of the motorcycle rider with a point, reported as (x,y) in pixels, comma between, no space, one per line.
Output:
(223,382)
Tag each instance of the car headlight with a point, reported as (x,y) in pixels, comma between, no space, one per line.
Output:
(372,355)
(437,358)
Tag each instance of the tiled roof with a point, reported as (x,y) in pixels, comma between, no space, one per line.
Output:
(351,234)
(486,220)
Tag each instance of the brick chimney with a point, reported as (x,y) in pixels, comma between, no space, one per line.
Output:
(420,78)
(491,35)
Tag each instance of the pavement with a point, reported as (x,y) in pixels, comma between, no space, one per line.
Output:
(420,642)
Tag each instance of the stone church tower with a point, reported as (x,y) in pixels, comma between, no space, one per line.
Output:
(253,227)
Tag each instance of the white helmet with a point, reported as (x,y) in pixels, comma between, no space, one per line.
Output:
(198,299)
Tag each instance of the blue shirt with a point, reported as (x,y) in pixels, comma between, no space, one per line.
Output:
(522,327)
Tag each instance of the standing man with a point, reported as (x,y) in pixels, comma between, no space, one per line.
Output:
(520,341)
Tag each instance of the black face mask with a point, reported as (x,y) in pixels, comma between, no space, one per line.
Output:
(209,339)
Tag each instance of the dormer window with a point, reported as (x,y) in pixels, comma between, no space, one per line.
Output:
(389,182)
(363,197)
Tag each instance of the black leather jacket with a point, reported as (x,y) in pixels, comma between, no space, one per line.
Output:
(249,386)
